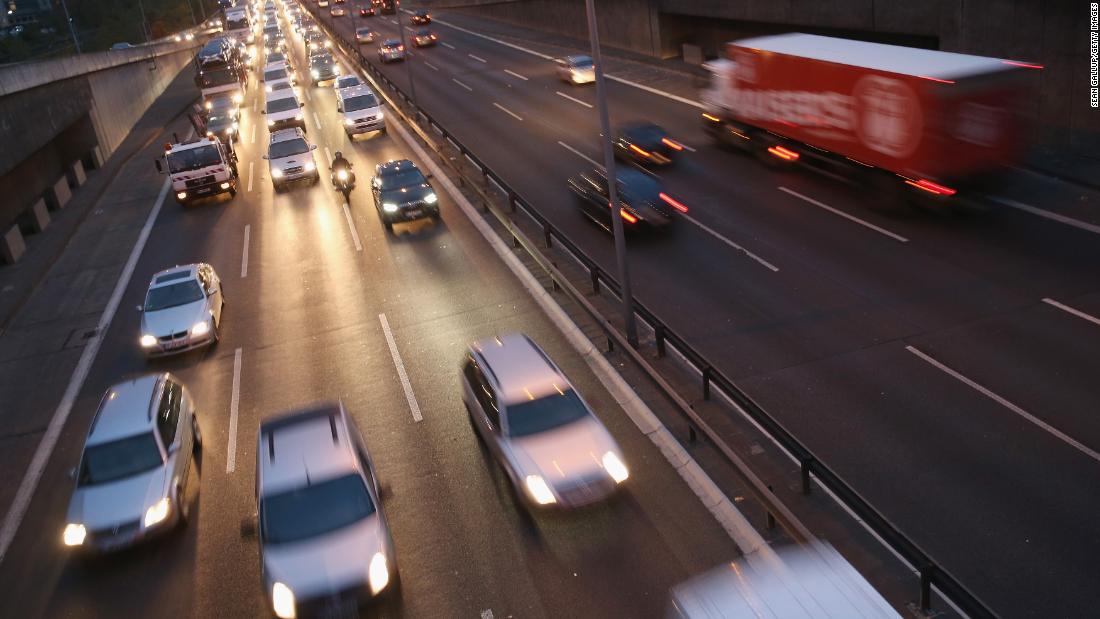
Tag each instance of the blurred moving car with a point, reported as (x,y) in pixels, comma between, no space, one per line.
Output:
(577,69)
(552,446)
(421,17)
(361,110)
(338,11)
(323,67)
(391,50)
(221,104)
(815,582)
(134,468)
(424,38)
(182,310)
(122,45)
(402,193)
(645,143)
(643,202)
(290,158)
(365,35)
(366,11)
(325,545)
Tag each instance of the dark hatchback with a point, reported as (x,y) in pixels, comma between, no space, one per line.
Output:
(424,38)
(366,10)
(323,67)
(421,17)
(644,202)
(645,143)
(402,193)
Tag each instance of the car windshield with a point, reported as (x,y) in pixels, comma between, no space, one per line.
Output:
(391,43)
(360,102)
(545,413)
(119,459)
(220,103)
(314,510)
(286,148)
(362,31)
(193,158)
(644,135)
(219,77)
(274,74)
(164,297)
(284,85)
(281,105)
(401,178)
(639,186)
(582,63)
(321,59)
(218,121)
(236,23)
(275,57)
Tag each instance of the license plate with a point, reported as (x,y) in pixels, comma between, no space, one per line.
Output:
(204,190)
(414,213)
(175,344)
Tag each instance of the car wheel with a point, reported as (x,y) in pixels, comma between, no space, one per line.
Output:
(185,509)
(436,216)
(388,225)
(196,445)
(232,192)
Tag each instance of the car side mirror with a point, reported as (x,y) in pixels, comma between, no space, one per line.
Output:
(428,175)
(72,473)
(160,168)
(263,111)
(267,157)
(385,491)
(140,308)
(302,104)
(249,527)
(312,147)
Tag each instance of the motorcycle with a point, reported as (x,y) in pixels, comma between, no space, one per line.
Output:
(344,181)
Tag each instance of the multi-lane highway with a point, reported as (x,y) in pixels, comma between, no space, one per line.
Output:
(944,365)
(323,304)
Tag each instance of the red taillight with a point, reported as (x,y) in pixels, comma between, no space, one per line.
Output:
(672,202)
(167,146)
(640,151)
(783,153)
(1026,65)
(936,79)
(673,145)
(931,187)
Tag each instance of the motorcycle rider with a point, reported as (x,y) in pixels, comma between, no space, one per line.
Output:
(340,163)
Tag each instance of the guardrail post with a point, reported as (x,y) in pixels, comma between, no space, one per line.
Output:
(804,470)
(547,238)
(659,337)
(512,202)
(692,437)
(515,241)
(706,382)
(771,517)
(926,587)
(595,281)
(610,343)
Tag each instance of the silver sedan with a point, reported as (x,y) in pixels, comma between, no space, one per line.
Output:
(182,310)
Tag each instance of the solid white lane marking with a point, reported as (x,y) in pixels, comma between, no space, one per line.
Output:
(1076,312)
(835,211)
(244,256)
(447,45)
(686,147)
(317,120)
(725,240)
(42,453)
(255,102)
(253,139)
(514,74)
(351,225)
(430,66)
(581,155)
(309,97)
(1009,405)
(621,80)
(405,384)
(507,111)
(477,58)
(1069,221)
(234,404)
(250,164)
(328,156)
(461,84)
(574,100)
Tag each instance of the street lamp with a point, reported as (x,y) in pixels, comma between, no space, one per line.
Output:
(68,20)
(612,181)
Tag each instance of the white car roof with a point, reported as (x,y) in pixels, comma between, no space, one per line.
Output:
(290,133)
(878,56)
(126,410)
(307,446)
(354,91)
(279,94)
(174,275)
(520,369)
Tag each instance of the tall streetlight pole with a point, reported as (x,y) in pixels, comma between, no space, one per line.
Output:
(408,63)
(69,20)
(144,22)
(612,181)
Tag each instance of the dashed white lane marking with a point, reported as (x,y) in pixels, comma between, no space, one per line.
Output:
(351,225)
(317,120)
(431,66)
(244,255)
(42,453)
(1076,312)
(393,21)
(234,404)
(514,74)
(250,165)
(1069,221)
(836,211)
(405,384)
(573,99)
(1009,405)
(487,613)
(687,148)
(309,97)
(461,84)
(477,58)
(581,155)
(328,156)
(725,240)
(253,139)
(508,111)
(448,45)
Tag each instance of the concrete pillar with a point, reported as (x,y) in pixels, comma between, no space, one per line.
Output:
(39,216)
(61,192)
(11,245)
(78,176)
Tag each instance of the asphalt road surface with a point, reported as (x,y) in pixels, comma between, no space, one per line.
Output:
(944,365)
(307,282)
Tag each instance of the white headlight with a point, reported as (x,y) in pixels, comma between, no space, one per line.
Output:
(148,341)
(200,328)
(431,198)
(342,175)
(238,98)
(74,534)
(310,166)
(539,491)
(156,513)
(298,116)
(268,88)
(389,207)
(379,114)
(181,195)
(315,73)
(615,467)
(282,601)
(349,121)
(270,123)
(378,574)
(276,173)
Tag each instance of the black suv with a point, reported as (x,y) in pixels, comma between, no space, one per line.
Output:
(402,193)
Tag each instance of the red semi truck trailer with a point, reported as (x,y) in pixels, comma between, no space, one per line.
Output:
(940,124)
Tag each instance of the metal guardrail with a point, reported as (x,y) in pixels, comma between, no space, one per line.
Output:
(931,574)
